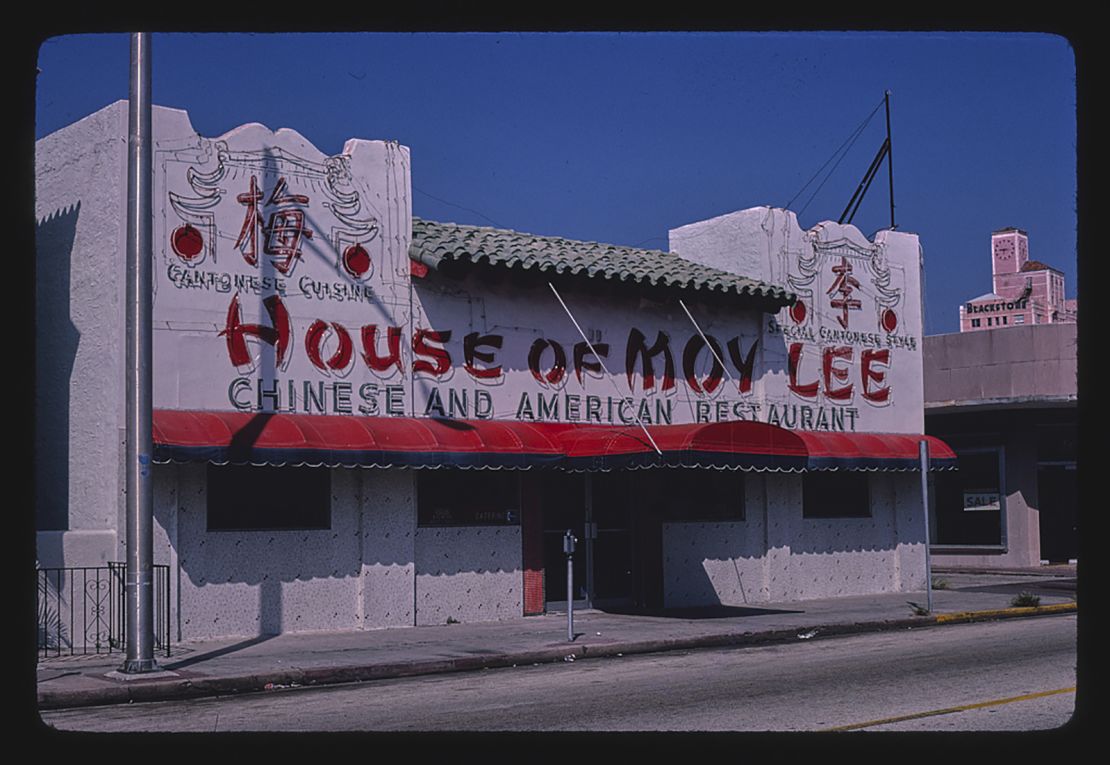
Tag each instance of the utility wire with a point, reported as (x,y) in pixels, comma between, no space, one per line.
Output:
(830,173)
(468,209)
(850,140)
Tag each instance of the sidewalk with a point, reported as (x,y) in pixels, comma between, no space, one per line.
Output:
(243,665)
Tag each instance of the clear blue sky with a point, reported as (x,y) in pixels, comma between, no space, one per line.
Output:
(619,137)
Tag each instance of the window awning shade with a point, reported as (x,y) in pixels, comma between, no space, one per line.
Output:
(343,441)
(338,441)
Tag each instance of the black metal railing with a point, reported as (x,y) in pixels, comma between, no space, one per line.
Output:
(83,609)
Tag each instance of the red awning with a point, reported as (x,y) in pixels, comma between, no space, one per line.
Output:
(872,451)
(305,439)
(301,439)
(745,444)
(739,444)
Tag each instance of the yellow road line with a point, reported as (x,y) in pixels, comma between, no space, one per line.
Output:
(950,710)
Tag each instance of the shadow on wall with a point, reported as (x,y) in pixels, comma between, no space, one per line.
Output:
(259,556)
(310,573)
(880,533)
(54,360)
(286,569)
(692,586)
(457,301)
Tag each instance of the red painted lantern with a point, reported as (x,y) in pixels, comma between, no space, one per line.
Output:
(356,261)
(798,312)
(187,242)
(889,320)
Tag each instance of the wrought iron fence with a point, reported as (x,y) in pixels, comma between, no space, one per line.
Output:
(83,609)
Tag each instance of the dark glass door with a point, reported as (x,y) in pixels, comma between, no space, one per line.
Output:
(564,507)
(1057,503)
(612,542)
(598,509)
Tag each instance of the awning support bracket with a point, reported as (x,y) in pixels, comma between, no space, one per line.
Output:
(602,362)
(705,340)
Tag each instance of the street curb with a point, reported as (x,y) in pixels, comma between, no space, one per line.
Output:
(1062,572)
(1005,613)
(183,688)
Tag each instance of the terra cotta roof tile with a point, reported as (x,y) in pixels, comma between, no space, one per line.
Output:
(434,244)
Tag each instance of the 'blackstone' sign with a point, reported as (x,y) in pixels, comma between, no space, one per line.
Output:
(1004,305)
(283,284)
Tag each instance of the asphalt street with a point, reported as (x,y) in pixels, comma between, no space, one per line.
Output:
(1010,675)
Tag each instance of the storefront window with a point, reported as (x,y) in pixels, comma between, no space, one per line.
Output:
(836,494)
(250,498)
(468,498)
(703,495)
(968,502)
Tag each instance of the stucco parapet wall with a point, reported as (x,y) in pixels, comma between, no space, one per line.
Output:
(1008,367)
(435,244)
(1018,402)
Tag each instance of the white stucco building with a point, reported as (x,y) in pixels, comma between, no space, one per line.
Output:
(367,420)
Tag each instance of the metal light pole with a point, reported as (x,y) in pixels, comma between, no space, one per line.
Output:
(139,486)
(923,452)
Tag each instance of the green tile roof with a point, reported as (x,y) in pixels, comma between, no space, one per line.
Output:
(435,244)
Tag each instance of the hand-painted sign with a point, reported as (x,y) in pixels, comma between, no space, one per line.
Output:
(850,347)
(284,284)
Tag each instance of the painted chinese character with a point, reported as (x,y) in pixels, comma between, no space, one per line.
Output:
(247,243)
(284,231)
(283,235)
(843,285)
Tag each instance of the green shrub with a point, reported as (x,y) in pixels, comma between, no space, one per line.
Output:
(1025,600)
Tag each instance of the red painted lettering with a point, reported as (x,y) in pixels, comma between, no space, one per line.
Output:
(580,362)
(689,360)
(638,347)
(870,374)
(745,365)
(370,348)
(471,352)
(276,335)
(554,375)
(808,390)
(314,346)
(440,356)
(831,355)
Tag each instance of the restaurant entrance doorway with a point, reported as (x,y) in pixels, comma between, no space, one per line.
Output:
(597,508)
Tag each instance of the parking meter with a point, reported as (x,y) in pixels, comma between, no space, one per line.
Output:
(569,541)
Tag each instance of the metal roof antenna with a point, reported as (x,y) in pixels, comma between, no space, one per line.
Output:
(885,151)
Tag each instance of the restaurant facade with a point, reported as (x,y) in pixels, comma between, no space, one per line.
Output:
(363,419)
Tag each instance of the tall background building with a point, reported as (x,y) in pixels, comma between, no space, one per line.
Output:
(1024,291)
